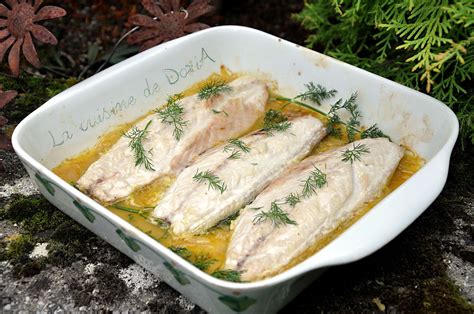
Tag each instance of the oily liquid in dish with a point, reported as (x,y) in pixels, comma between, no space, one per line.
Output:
(213,244)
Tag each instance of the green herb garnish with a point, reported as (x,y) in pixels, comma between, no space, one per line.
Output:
(181,251)
(275,120)
(173,113)
(276,215)
(227,275)
(212,180)
(142,157)
(236,147)
(203,262)
(316,93)
(316,179)
(293,199)
(355,153)
(372,132)
(213,88)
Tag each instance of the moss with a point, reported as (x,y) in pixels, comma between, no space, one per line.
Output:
(20,247)
(35,214)
(33,91)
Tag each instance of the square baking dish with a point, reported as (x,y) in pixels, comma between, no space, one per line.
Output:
(73,121)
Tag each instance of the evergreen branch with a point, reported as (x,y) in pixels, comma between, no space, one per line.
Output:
(351,155)
(142,157)
(173,113)
(212,180)
(213,88)
(275,215)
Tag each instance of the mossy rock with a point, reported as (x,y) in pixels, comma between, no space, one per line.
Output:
(33,91)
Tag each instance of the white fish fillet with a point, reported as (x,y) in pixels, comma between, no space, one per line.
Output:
(262,249)
(115,176)
(192,208)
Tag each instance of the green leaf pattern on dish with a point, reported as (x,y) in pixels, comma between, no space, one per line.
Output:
(178,275)
(131,243)
(87,212)
(45,183)
(237,304)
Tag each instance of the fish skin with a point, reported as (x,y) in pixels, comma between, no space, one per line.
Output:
(114,176)
(262,250)
(192,208)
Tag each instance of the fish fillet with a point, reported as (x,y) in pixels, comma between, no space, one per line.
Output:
(192,208)
(115,176)
(263,249)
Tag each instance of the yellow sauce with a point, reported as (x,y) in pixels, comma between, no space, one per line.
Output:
(213,244)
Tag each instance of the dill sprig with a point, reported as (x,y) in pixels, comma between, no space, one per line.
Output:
(203,262)
(227,275)
(275,120)
(293,199)
(212,180)
(142,157)
(276,215)
(181,251)
(373,132)
(213,88)
(351,155)
(320,93)
(316,179)
(316,93)
(236,147)
(173,113)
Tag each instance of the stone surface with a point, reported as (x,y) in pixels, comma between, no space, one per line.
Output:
(428,267)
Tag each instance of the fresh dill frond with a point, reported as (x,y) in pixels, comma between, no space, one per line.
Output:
(293,199)
(203,262)
(142,157)
(212,180)
(353,124)
(227,275)
(275,120)
(173,113)
(213,88)
(316,93)
(181,251)
(276,215)
(220,111)
(373,132)
(351,155)
(316,179)
(236,147)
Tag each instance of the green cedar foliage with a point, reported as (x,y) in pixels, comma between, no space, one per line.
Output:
(424,44)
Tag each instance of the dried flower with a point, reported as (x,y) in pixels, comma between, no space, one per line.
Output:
(17,28)
(169,21)
(5,98)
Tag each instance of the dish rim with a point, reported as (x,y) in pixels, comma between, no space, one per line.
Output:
(293,272)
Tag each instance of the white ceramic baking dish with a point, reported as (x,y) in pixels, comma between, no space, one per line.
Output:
(73,120)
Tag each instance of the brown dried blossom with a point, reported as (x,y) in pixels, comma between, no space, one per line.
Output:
(5,98)
(17,27)
(169,21)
